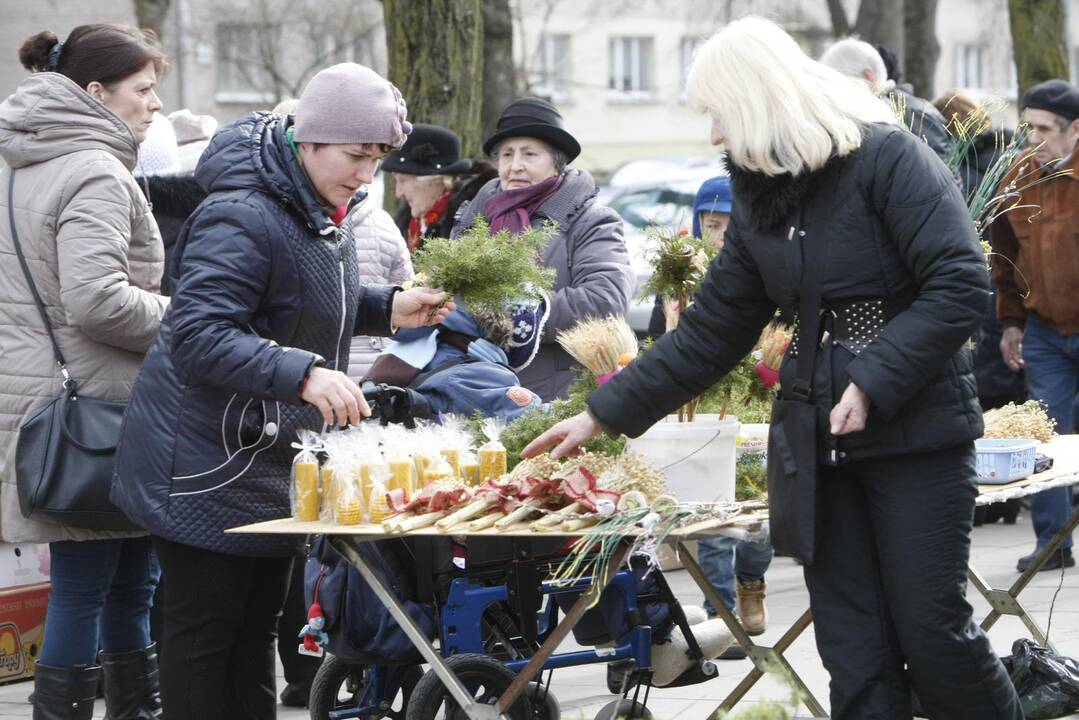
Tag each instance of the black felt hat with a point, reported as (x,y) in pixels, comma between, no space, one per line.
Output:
(429,150)
(535,118)
(1056,96)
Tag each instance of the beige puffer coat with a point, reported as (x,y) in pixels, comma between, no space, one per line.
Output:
(384,260)
(95,255)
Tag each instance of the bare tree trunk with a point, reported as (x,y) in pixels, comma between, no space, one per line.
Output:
(435,51)
(880,22)
(1038,45)
(499,74)
(840,23)
(920,47)
(151,14)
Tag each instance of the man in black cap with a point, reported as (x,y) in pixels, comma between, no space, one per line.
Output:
(1038,285)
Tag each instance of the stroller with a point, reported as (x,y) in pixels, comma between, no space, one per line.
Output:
(489,607)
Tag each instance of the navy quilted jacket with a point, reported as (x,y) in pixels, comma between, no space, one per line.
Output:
(265,286)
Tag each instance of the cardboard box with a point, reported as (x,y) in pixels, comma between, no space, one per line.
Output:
(23,564)
(22,627)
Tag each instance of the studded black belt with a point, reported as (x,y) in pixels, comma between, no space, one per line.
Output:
(853,324)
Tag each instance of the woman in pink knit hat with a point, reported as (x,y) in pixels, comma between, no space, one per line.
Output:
(251,350)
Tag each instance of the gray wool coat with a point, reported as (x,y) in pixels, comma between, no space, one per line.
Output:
(593,275)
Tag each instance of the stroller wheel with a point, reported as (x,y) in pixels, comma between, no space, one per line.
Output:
(484,677)
(624,708)
(340,686)
(544,704)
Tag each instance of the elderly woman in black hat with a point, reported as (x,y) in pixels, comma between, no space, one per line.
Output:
(531,149)
(433,180)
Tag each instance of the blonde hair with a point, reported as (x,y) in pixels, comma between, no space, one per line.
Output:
(780,111)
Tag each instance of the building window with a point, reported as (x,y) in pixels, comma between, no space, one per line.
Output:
(242,73)
(554,72)
(970,67)
(333,50)
(687,48)
(631,67)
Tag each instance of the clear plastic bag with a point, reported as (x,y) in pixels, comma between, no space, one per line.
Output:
(303,489)
(492,454)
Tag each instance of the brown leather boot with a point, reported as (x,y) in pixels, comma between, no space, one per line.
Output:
(751,609)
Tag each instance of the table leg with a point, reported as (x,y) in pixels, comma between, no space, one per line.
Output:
(765,659)
(474,710)
(535,663)
(1006,602)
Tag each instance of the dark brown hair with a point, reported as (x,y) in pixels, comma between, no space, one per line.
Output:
(102,52)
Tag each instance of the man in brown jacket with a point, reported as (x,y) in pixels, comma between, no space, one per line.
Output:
(1038,284)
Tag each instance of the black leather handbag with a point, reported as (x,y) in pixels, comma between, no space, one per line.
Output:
(793,446)
(66,450)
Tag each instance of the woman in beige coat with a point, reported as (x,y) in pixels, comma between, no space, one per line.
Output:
(70,136)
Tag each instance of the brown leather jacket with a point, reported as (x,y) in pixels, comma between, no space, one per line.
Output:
(1040,235)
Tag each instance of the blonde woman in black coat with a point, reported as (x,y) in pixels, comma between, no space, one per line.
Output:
(819,165)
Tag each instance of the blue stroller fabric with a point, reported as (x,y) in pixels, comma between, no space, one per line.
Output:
(609,621)
(483,376)
(360,628)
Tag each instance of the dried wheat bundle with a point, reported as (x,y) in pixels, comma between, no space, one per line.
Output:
(1029,420)
(603,345)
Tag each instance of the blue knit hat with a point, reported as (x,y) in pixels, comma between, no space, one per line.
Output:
(714,196)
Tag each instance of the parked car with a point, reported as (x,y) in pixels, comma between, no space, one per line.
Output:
(666,203)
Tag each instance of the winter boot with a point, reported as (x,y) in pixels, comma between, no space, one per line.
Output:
(751,609)
(131,689)
(64,693)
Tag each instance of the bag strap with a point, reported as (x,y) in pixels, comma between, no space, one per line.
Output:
(814,254)
(69,384)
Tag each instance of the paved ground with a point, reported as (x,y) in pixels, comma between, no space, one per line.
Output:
(581,691)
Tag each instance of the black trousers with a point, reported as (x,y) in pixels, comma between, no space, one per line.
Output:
(888,592)
(221,614)
(299,669)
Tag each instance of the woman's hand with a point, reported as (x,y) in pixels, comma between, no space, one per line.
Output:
(849,414)
(419,307)
(567,435)
(335,395)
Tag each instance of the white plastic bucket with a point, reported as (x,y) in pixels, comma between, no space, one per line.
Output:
(697,457)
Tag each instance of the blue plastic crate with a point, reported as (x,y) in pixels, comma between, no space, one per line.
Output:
(1005,461)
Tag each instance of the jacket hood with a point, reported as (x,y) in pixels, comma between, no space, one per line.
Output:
(49,116)
(254,154)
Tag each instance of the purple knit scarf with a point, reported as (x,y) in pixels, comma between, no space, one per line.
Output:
(512,209)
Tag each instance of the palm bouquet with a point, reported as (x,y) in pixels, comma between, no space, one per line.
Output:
(485,271)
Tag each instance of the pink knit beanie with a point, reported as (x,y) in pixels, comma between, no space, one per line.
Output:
(351,104)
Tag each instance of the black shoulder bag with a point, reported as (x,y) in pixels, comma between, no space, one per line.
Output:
(66,450)
(793,461)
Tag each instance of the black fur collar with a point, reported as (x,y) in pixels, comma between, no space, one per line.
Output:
(768,200)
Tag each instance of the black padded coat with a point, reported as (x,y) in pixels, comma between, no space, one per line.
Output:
(897,229)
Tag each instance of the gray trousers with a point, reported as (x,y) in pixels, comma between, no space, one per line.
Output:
(887,589)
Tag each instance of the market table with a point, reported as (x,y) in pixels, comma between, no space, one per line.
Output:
(344,538)
(1064,449)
